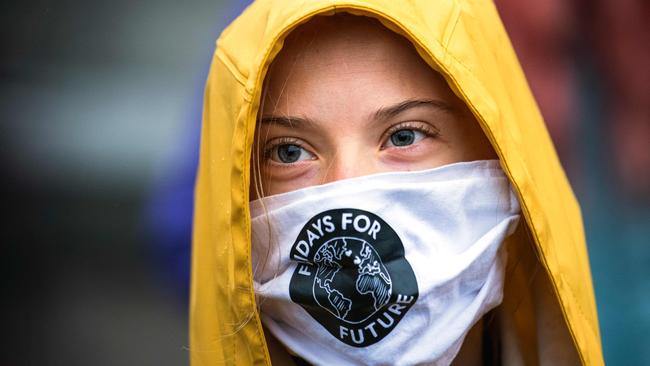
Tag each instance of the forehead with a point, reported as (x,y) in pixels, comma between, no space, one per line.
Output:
(346,60)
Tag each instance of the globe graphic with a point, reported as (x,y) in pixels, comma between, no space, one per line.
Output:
(351,281)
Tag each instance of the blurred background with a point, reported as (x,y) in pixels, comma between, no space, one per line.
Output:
(100,109)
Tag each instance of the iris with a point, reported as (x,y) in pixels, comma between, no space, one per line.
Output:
(403,138)
(289,153)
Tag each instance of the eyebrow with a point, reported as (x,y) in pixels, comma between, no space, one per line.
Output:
(393,110)
(287,121)
(381,114)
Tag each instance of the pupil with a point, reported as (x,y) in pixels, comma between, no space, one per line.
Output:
(289,153)
(402,137)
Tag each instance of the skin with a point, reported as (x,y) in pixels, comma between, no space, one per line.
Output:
(346,97)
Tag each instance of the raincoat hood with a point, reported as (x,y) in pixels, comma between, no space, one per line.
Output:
(548,315)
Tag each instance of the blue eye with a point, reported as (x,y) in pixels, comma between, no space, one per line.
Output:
(405,137)
(290,153)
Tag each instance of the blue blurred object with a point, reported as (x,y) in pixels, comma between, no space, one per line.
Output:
(169,213)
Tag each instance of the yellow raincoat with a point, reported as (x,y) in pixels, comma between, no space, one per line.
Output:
(548,316)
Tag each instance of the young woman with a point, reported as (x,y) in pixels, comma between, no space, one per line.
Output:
(364,167)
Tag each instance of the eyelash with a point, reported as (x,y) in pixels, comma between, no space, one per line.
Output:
(423,127)
(268,150)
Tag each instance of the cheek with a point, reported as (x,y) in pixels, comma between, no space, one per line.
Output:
(467,141)
(276,180)
(427,154)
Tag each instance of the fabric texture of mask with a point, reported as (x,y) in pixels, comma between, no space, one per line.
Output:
(387,269)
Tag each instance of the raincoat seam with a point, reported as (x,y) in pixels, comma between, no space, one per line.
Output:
(225,59)
(445,45)
(582,314)
(570,288)
(418,38)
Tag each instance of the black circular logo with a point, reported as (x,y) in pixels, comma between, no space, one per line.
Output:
(352,276)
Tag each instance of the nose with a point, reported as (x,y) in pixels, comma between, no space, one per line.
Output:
(347,164)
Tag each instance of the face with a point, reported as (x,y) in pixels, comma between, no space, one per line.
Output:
(347,97)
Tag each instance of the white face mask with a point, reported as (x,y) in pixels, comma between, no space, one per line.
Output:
(387,269)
